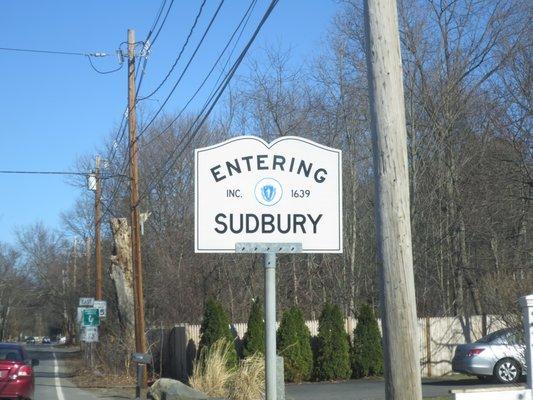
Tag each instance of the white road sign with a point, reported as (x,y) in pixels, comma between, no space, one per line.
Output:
(101,305)
(249,191)
(89,334)
(86,301)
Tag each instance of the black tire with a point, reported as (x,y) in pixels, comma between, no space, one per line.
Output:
(507,370)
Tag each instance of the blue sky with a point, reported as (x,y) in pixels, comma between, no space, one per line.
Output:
(55,108)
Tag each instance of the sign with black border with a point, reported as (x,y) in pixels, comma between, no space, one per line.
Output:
(288,191)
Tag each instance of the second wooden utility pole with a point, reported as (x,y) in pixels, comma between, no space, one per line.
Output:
(140,342)
(99,295)
(389,140)
(87,275)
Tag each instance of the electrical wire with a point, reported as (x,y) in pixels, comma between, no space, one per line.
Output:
(244,19)
(104,72)
(148,44)
(158,15)
(191,58)
(21,172)
(123,168)
(121,132)
(191,31)
(162,23)
(223,69)
(122,128)
(66,53)
(89,56)
(42,172)
(190,134)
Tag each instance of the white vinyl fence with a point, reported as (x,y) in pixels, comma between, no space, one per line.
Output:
(438,337)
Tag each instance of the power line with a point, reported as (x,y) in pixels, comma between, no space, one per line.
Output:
(220,91)
(121,131)
(21,172)
(122,128)
(42,172)
(245,18)
(186,66)
(158,15)
(89,56)
(66,53)
(191,31)
(104,72)
(148,45)
(223,69)
(162,23)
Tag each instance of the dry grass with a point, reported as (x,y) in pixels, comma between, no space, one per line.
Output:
(248,382)
(210,372)
(84,377)
(212,376)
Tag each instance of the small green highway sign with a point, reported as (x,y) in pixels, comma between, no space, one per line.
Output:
(91,317)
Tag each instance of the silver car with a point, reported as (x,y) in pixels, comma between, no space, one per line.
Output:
(500,355)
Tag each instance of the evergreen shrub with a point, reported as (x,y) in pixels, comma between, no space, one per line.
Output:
(254,339)
(294,345)
(333,347)
(216,326)
(367,352)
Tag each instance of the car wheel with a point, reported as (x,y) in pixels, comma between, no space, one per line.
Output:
(507,371)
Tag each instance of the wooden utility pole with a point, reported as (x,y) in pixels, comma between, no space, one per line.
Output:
(140,342)
(97,225)
(75,264)
(87,265)
(389,140)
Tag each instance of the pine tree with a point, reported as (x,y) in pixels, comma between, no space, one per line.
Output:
(367,351)
(333,348)
(215,326)
(254,339)
(294,344)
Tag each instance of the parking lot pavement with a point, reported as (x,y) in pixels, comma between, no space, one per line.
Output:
(374,389)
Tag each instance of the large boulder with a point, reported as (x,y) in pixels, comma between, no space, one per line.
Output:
(169,389)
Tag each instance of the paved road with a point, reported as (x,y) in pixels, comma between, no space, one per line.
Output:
(52,383)
(367,389)
(51,379)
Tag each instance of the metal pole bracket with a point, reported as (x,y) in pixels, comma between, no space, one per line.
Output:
(268,248)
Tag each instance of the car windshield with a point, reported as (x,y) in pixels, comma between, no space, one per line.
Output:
(10,354)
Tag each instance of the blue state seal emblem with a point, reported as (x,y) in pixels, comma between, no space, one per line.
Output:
(268,191)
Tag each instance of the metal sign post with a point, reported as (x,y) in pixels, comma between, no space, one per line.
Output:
(141,359)
(270,250)
(257,197)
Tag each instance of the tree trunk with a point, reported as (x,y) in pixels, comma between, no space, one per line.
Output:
(121,272)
